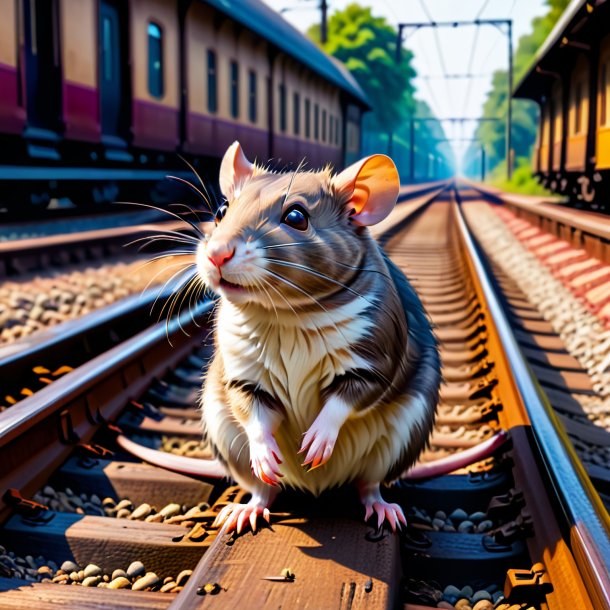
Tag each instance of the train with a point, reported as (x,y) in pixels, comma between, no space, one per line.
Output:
(570,80)
(98,95)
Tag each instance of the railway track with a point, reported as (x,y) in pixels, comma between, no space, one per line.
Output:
(525,523)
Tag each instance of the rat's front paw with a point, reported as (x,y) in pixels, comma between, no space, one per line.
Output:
(319,442)
(265,458)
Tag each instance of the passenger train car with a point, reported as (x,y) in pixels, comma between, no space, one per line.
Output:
(570,79)
(102,93)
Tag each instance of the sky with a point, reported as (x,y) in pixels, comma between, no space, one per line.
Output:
(454,51)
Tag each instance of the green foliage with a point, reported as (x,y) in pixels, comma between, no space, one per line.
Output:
(367,46)
(525,112)
(523,181)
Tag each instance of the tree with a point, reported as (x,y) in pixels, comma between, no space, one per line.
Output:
(525,112)
(367,46)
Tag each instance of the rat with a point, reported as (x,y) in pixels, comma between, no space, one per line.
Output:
(326,369)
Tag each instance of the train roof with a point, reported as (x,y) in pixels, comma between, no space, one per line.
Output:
(531,85)
(267,23)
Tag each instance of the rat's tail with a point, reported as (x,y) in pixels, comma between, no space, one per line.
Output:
(457,460)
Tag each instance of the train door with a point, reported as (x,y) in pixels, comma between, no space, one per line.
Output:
(42,63)
(113,83)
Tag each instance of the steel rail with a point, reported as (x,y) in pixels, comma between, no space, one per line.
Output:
(28,412)
(581,505)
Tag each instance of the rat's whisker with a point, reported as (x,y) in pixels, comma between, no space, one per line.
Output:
(185,266)
(189,210)
(286,281)
(167,235)
(323,276)
(168,212)
(199,179)
(269,232)
(171,254)
(291,182)
(323,256)
(161,271)
(172,304)
(268,283)
(193,188)
(298,317)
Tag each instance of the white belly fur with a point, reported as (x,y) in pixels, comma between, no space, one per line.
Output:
(294,360)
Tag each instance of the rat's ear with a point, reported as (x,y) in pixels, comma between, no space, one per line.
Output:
(235,171)
(370,187)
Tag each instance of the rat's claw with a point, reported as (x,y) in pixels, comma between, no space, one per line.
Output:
(375,504)
(237,516)
(242,519)
(385,511)
(222,515)
(265,458)
(319,444)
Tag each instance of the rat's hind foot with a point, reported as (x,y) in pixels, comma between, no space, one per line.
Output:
(237,515)
(370,496)
(265,458)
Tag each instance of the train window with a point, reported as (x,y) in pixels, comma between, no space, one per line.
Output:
(307,118)
(234,89)
(603,88)
(107,48)
(557,115)
(338,131)
(316,122)
(577,107)
(331,128)
(323,125)
(212,87)
(155,60)
(282,90)
(252,96)
(296,102)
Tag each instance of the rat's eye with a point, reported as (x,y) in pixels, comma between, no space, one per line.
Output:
(220,213)
(296,217)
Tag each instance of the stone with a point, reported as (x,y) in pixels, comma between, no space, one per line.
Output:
(450,590)
(141,512)
(69,566)
(119,583)
(170,510)
(481,595)
(92,581)
(483,604)
(484,526)
(466,527)
(136,569)
(93,570)
(150,579)
(183,577)
(467,591)
(458,515)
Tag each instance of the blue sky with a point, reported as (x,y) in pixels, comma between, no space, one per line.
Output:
(448,50)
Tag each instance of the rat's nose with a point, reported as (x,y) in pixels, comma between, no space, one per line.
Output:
(220,252)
